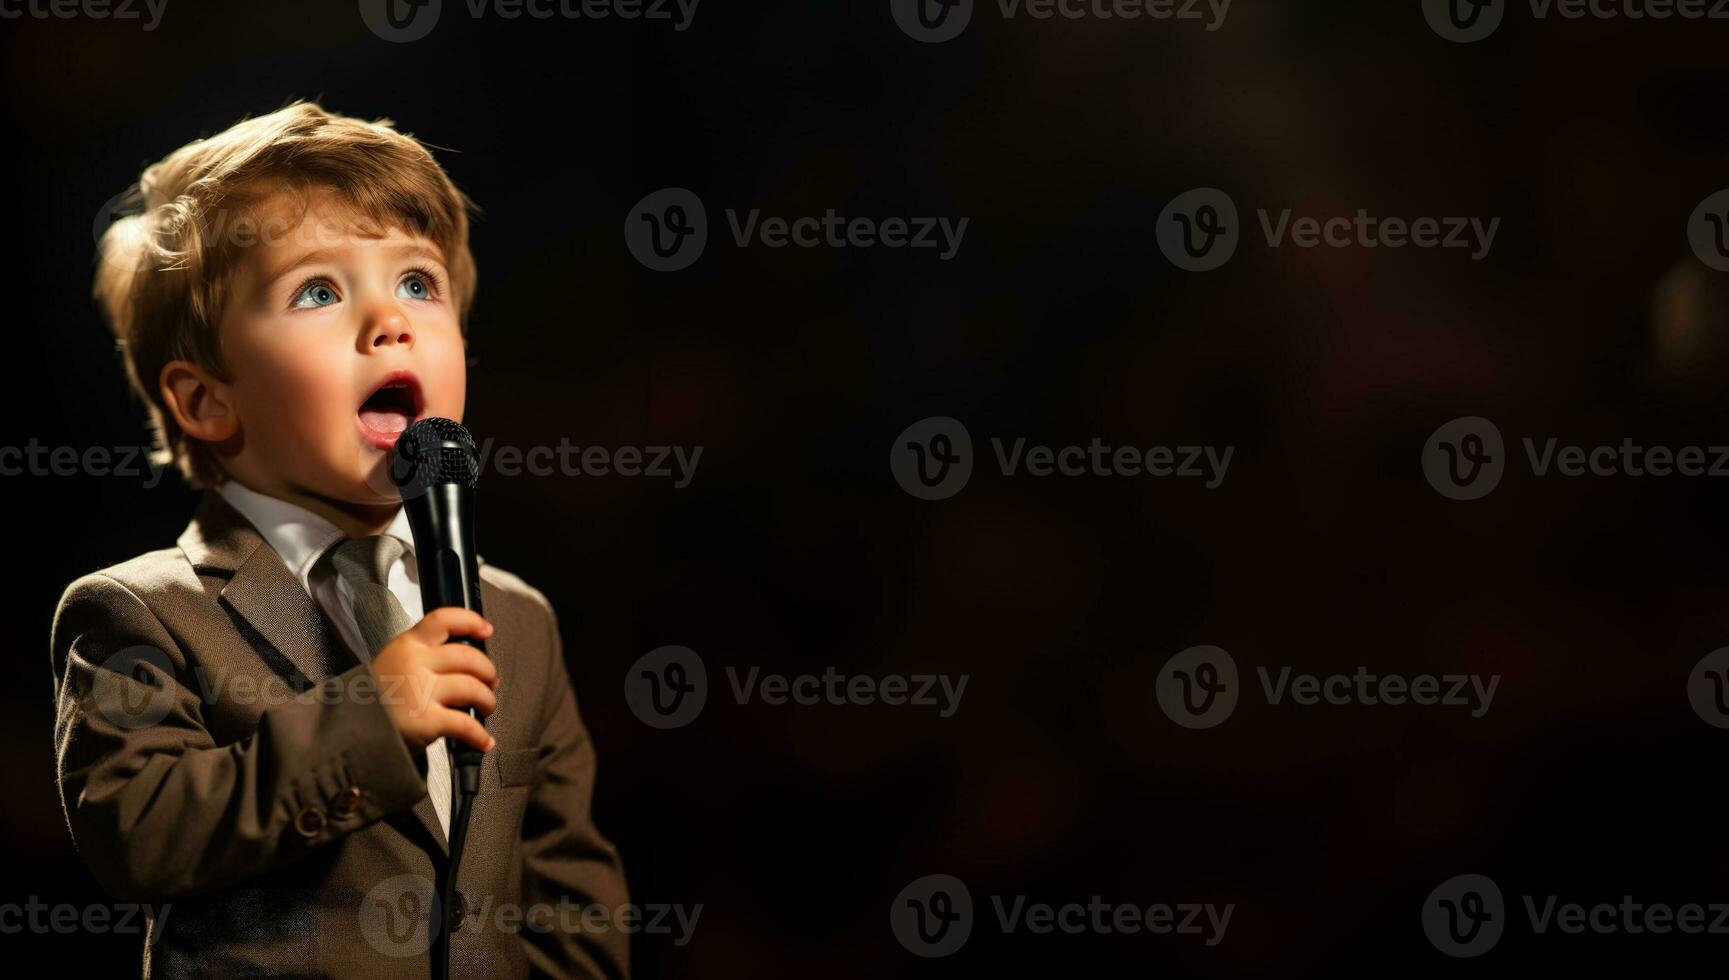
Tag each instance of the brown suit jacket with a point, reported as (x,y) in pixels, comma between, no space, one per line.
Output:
(220,751)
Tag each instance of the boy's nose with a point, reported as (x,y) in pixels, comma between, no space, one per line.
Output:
(385,328)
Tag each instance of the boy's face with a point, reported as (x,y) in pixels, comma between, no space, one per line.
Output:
(336,339)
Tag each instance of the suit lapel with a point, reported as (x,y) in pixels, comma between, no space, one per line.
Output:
(272,610)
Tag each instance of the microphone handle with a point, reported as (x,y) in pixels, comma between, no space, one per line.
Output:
(442,521)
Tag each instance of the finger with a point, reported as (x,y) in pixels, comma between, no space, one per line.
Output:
(457,724)
(416,690)
(464,691)
(453,658)
(445,622)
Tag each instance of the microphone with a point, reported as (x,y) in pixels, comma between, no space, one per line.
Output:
(435,469)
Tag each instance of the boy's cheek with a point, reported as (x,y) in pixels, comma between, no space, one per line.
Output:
(448,389)
(297,405)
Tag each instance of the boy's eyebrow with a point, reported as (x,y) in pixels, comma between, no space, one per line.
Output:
(316,256)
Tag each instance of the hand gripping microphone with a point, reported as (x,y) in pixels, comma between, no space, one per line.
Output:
(435,469)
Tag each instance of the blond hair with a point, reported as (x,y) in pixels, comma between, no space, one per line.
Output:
(163,274)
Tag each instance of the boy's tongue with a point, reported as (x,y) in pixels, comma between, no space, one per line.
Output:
(384,419)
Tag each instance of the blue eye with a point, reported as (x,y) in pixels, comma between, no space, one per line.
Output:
(314,295)
(414,286)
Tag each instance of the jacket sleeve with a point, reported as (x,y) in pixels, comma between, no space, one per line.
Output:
(157,809)
(564,855)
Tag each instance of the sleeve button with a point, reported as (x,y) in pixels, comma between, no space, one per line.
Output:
(346,803)
(310,821)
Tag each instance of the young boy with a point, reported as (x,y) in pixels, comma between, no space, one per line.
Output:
(252,726)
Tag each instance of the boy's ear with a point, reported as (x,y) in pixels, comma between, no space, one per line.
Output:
(198,401)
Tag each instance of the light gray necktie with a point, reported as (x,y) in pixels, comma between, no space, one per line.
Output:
(365,563)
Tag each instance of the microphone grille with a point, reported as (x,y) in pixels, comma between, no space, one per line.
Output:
(434,451)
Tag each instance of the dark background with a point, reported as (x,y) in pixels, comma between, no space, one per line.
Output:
(1059,320)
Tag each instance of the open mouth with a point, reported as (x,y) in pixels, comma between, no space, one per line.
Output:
(390,408)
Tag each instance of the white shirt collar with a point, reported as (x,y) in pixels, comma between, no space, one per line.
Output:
(298,535)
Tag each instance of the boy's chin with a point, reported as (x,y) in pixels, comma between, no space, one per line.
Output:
(376,485)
